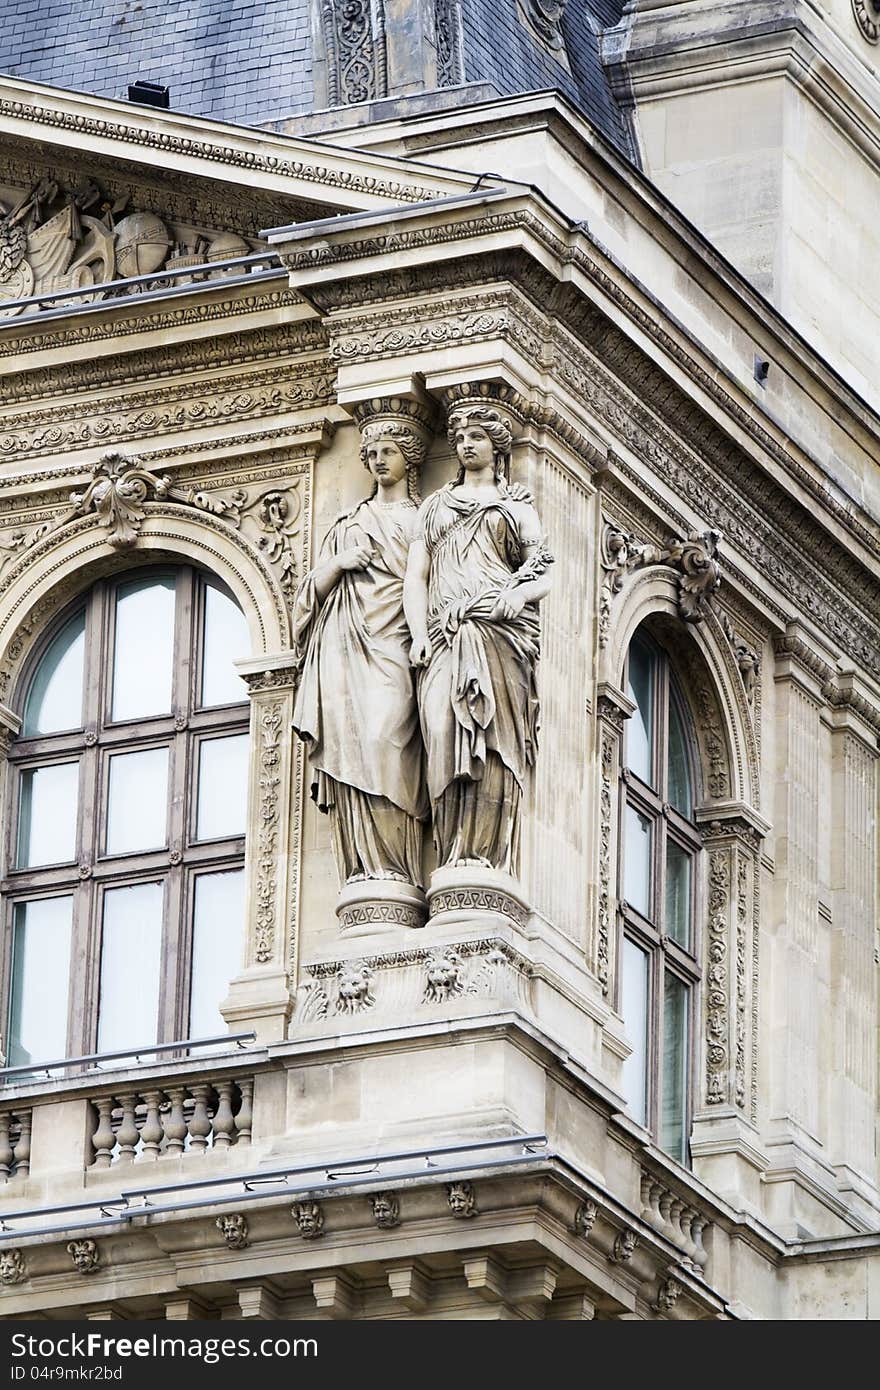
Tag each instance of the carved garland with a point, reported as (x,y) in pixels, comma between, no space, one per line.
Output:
(271,718)
(610,741)
(717,1021)
(447,28)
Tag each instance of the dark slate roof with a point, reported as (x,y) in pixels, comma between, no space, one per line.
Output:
(234,60)
(501,49)
(250,61)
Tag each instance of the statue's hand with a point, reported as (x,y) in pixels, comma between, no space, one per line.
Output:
(420,651)
(517,493)
(455,615)
(355,559)
(510,604)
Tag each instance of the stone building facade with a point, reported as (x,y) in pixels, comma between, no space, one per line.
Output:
(625,1063)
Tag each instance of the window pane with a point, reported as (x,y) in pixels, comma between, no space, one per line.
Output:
(226,639)
(675,1049)
(137,801)
(634,1007)
(40,981)
(680,793)
(56,694)
(637,862)
(217,948)
(47,815)
(223,771)
(678,893)
(130,952)
(144,653)
(639,728)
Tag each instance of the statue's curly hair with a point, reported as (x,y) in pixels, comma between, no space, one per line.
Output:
(409,442)
(495,426)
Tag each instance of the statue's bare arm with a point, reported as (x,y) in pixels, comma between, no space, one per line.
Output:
(415,602)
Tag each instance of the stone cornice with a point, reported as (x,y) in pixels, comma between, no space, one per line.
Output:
(689,46)
(520,221)
(341,179)
(118,319)
(783,539)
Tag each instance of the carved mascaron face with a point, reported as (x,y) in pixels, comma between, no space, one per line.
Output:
(11,1266)
(385,462)
(474,448)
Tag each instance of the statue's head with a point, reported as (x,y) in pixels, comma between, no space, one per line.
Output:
(480,434)
(392,449)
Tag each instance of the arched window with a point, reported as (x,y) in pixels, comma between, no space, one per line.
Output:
(126,812)
(658,894)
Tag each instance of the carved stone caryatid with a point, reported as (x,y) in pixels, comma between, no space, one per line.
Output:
(355,705)
(478,568)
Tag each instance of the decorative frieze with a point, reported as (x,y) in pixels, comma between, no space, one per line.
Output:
(404,981)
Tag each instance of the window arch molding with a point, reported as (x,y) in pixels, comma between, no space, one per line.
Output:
(731,829)
(705,663)
(50,574)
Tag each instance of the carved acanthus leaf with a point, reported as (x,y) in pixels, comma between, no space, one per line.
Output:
(695,559)
(117,492)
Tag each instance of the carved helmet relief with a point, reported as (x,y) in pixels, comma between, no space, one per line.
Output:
(55,239)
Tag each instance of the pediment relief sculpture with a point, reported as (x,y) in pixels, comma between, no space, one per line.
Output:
(53,240)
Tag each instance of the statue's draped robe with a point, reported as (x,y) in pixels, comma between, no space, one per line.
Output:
(355,705)
(478,700)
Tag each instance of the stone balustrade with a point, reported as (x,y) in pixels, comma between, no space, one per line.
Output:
(149,1122)
(15,1144)
(675,1219)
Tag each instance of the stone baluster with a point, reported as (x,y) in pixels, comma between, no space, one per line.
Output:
(666,1224)
(151,1131)
(645,1190)
(175,1121)
(127,1134)
(224,1124)
(103,1138)
(200,1121)
(701,1254)
(244,1118)
(23,1145)
(687,1218)
(6,1154)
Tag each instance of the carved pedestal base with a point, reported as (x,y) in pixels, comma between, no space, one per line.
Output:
(480,897)
(378,904)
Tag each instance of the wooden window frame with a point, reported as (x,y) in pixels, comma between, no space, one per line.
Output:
(93,872)
(663,951)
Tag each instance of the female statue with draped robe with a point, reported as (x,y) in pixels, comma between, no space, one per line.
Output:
(477,570)
(355,704)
